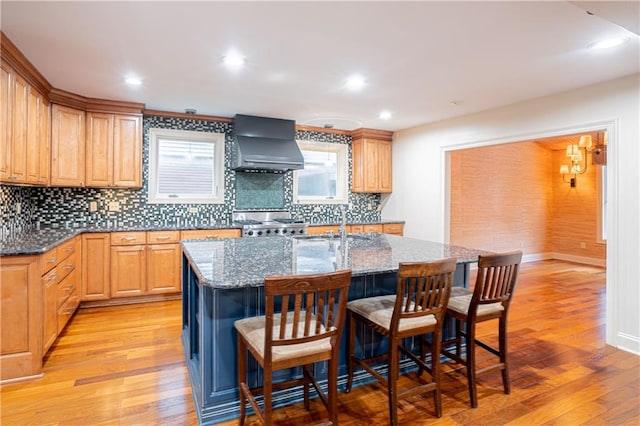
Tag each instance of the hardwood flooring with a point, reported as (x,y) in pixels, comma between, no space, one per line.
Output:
(124,366)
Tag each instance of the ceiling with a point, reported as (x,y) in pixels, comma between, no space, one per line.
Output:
(423,61)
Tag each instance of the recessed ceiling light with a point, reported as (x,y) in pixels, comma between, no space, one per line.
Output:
(133,81)
(385,115)
(355,82)
(233,61)
(607,43)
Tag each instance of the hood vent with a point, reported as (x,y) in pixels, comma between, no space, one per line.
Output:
(265,144)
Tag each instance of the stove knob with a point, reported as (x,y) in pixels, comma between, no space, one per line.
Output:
(275,231)
(249,233)
(284,231)
(302,231)
(268,231)
(259,232)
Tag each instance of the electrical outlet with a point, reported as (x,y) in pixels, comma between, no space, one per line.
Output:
(114,206)
(193,210)
(18,208)
(93,206)
(317,209)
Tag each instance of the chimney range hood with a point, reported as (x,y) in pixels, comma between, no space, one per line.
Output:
(265,144)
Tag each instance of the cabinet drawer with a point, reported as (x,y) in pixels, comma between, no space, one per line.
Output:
(48,260)
(209,233)
(372,228)
(162,237)
(66,288)
(393,228)
(51,278)
(69,264)
(65,312)
(321,229)
(66,249)
(356,229)
(128,238)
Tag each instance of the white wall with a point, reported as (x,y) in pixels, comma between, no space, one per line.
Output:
(420,187)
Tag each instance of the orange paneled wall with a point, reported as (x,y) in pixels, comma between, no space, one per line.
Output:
(501,198)
(511,196)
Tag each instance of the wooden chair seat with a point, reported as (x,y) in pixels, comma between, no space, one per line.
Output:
(490,299)
(254,333)
(416,309)
(303,322)
(379,310)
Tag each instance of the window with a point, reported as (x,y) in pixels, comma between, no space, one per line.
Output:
(186,167)
(325,177)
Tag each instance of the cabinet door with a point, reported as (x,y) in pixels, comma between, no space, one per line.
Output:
(127,151)
(20,316)
(163,268)
(67,146)
(99,150)
(50,309)
(357,169)
(384,166)
(18,165)
(371,161)
(33,136)
(44,159)
(95,267)
(6,120)
(128,271)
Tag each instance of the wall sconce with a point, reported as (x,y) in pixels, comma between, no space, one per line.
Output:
(578,159)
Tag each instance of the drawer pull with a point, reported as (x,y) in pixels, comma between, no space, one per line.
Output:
(210,236)
(127,238)
(70,266)
(162,238)
(52,260)
(53,277)
(69,288)
(69,311)
(68,249)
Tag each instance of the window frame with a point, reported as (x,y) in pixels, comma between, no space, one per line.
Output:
(218,141)
(342,172)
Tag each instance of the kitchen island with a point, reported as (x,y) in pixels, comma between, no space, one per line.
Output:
(222,281)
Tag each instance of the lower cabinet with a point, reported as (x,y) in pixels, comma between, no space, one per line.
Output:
(128,271)
(386,228)
(163,268)
(96,266)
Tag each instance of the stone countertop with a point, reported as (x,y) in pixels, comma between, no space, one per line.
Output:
(40,241)
(241,262)
(27,242)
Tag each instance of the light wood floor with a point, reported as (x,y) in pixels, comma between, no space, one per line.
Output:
(124,366)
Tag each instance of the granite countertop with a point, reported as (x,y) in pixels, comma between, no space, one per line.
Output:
(241,262)
(38,241)
(379,222)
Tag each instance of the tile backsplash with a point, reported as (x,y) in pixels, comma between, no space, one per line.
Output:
(23,207)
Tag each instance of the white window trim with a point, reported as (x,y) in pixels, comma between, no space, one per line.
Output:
(187,135)
(342,189)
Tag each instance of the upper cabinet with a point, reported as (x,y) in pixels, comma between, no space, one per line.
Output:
(113,150)
(67,146)
(24,136)
(371,152)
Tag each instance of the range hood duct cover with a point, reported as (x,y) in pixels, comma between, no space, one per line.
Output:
(265,144)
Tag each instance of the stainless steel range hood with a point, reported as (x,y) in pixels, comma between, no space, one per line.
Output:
(265,144)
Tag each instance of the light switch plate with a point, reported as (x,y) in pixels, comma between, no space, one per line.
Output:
(93,206)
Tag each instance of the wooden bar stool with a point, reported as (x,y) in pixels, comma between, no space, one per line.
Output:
(417,308)
(303,322)
(490,299)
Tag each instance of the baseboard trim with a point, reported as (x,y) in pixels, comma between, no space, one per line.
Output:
(129,300)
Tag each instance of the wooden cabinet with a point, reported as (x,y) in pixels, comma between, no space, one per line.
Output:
(322,229)
(128,264)
(6,120)
(25,134)
(199,234)
(67,146)
(113,150)
(371,165)
(96,266)
(61,288)
(393,228)
(21,317)
(163,262)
